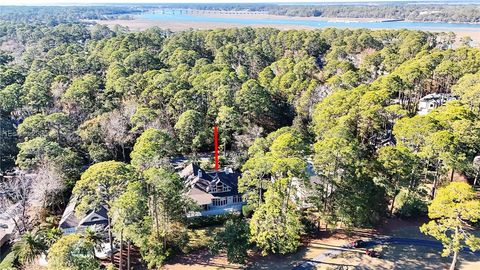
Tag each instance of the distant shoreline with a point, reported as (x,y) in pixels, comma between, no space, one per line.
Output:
(139,24)
(265,15)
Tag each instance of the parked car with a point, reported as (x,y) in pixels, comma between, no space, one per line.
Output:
(3,226)
(357,244)
(372,253)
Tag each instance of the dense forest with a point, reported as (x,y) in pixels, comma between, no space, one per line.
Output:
(98,112)
(429,13)
(54,15)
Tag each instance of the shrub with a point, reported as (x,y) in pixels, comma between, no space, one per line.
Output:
(200,222)
(8,262)
(233,240)
(247,211)
(409,206)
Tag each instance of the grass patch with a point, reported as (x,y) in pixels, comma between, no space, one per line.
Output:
(201,238)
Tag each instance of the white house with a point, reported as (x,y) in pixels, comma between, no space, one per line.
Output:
(433,101)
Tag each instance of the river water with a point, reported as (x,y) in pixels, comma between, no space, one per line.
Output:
(206,17)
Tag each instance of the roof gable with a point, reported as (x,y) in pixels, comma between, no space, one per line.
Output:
(197,178)
(93,217)
(70,219)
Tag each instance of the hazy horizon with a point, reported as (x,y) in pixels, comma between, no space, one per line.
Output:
(86,2)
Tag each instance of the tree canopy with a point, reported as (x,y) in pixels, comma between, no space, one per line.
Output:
(323,125)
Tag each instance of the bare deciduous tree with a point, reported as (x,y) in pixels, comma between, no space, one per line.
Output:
(46,184)
(116,127)
(14,200)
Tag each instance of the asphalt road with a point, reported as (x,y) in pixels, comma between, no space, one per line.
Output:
(311,264)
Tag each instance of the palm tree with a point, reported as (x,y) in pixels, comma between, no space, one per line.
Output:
(93,236)
(29,247)
(50,236)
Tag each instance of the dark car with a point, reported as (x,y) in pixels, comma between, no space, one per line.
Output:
(358,244)
(372,253)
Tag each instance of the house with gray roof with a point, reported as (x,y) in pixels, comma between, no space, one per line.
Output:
(71,222)
(216,192)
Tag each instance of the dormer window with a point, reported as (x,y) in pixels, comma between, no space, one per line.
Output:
(220,187)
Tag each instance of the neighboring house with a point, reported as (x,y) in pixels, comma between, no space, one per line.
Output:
(305,189)
(433,101)
(215,192)
(7,226)
(4,237)
(8,214)
(72,223)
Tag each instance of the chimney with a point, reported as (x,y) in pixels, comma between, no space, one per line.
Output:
(215,141)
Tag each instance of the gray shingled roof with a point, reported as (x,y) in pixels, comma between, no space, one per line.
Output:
(71,220)
(196,177)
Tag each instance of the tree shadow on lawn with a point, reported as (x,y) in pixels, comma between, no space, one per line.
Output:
(277,261)
(419,257)
(312,247)
(203,258)
(344,235)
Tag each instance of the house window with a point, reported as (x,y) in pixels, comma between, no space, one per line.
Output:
(69,230)
(219,201)
(220,187)
(237,198)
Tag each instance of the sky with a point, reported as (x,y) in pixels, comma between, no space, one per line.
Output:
(50,2)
